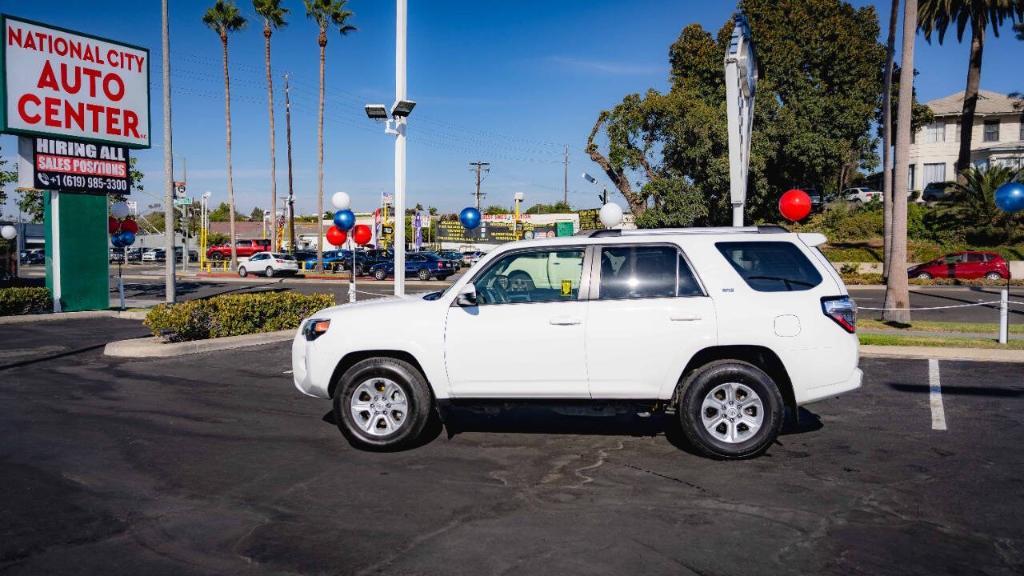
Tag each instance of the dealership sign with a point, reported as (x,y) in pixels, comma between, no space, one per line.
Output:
(62,84)
(68,166)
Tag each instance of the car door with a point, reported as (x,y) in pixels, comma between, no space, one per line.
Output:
(647,316)
(525,336)
(970,266)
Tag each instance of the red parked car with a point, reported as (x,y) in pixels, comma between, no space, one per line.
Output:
(243,249)
(964,265)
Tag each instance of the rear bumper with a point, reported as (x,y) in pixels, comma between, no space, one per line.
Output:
(830,390)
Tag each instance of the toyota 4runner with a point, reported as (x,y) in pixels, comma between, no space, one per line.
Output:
(722,328)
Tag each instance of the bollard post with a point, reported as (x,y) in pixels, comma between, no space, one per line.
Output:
(1004,313)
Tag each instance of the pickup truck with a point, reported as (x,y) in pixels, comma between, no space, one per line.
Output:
(243,249)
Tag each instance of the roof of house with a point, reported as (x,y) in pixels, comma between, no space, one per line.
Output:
(988,103)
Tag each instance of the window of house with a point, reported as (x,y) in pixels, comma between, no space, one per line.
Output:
(910,177)
(1021,135)
(935,132)
(934,173)
(991,131)
(957,124)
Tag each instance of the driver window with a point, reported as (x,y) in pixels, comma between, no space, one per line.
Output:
(532,276)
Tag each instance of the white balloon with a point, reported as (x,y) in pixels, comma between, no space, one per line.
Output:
(8,232)
(119,210)
(611,215)
(341,201)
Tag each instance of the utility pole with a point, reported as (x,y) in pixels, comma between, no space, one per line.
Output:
(401,13)
(565,188)
(291,191)
(169,287)
(479,167)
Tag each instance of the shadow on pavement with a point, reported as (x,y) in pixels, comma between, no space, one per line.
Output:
(994,392)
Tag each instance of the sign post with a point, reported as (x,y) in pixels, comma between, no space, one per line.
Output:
(740,81)
(78,103)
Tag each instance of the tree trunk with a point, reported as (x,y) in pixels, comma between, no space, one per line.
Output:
(320,168)
(291,190)
(963,159)
(637,202)
(897,294)
(273,150)
(227,127)
(890,55)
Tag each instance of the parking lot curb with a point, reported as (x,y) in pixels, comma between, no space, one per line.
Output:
(32,318)
(942,353)
(153,347)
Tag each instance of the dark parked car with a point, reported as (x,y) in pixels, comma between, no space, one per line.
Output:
(33,256)
(424,265)
(453,256)
(964,265)
(936,191)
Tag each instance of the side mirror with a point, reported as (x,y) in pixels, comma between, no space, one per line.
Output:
(467,296)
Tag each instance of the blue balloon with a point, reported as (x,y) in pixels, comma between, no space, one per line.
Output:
(127,238)
(116,241)
(1010,197)
(344,220)
(470,217)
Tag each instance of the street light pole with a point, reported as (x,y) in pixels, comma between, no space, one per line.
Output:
(400,124)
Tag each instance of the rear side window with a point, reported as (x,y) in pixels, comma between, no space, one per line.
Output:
(771,266)
(645,272)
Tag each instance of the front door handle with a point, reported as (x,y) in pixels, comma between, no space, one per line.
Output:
(564,321)
(684,317)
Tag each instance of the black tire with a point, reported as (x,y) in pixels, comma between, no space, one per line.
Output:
(217,256)
(423,274)
(269,272)
(415,388)
(242,272)
(380,274)
(993,276)
(696,386)
(923,276)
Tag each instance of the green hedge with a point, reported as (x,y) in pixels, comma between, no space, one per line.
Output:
(234,315)
(16,301)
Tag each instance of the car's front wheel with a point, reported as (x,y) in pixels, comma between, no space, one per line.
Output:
(382,404)
(730,409)
(924,276)
(380,274)
(269,272)
(993,276)
(242,271)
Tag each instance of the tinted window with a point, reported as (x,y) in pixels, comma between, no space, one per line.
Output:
(771,266)
(531,276)
(645,272)
(975,257)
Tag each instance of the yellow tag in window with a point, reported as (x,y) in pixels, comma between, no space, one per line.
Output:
(566,287)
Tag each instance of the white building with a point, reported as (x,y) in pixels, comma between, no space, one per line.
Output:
(997,139)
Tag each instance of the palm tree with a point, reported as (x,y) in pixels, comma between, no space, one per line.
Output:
(938,16)
(273,17)
(325,13)
(223,17)
(897,291)
(890,54)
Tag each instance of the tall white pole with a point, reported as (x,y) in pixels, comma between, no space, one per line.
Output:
(400,123)
(169,288)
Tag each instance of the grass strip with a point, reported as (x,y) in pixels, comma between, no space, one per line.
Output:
(944,327)
(900,340)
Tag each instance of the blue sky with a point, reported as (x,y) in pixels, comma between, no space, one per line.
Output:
(504,82)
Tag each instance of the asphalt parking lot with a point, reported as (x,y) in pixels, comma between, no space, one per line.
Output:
(215,464)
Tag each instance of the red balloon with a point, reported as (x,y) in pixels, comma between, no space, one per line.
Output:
(113,225)
(336,236)
(361,234)
(128,225)
(795,205)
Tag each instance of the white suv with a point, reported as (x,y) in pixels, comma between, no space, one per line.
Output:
(723,327)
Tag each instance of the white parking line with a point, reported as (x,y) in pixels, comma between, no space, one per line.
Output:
(935,396)
(286,372)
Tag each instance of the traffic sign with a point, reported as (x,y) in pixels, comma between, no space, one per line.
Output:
(184,201)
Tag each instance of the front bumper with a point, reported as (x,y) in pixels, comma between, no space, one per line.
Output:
(302,373)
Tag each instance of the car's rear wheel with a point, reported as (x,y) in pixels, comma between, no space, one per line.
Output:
(380,274)
(382,404)
(993,276)
(730,410)
(924,276)
(242,271)
(423,274)
(269,272)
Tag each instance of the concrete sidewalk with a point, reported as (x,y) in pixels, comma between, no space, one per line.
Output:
(942,353)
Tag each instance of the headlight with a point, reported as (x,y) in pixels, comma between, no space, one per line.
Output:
(315,328)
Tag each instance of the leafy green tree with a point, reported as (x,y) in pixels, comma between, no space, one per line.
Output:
(256,215)
(6,177)
(326,14)
(556,208)
(496,209)
(30,203)
(937,16)
(819,89)
(972,209)
(224,18)
(222,213)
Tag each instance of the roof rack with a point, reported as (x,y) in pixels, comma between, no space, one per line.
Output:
(696,230)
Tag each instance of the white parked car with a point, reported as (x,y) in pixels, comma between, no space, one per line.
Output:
(864,195)
(268,264)
(723,327)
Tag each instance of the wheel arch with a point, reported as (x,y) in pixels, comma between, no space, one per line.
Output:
(350,360)
(760,356)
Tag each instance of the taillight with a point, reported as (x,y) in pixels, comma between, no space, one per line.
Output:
(440,265)
(842,310)
(279,261)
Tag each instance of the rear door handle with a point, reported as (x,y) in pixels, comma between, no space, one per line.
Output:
(684,317)
(564,321)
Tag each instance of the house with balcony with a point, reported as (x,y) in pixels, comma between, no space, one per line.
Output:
(997,138)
